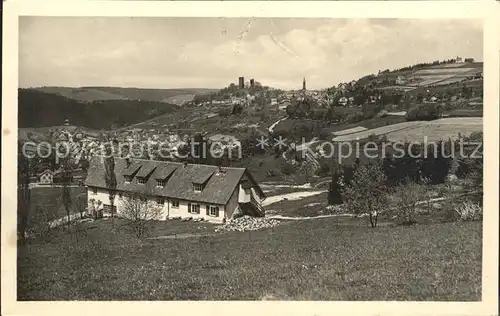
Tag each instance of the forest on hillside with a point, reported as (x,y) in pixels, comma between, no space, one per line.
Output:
(39,109)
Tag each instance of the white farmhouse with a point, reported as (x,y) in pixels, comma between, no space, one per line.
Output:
(182,190)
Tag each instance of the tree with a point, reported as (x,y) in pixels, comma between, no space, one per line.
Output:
(110,178)
(307,168)
(24,167)
(66,177)
(91,208)
(367,192)
(139,212)
(408,194)
(335,190)
(81,206)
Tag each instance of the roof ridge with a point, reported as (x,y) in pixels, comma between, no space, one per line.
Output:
(173,162)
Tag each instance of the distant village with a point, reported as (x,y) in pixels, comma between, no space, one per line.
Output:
(166,142)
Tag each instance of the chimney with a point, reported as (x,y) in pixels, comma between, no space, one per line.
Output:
(127,160)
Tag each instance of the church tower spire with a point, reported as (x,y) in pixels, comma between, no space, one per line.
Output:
(304,84)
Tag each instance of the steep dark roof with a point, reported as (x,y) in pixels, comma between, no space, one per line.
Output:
(218,188)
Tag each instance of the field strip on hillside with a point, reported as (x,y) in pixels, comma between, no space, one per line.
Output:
(458,121)
(290,196)
(356,129)
(433,132)
(377,131)
(444,71)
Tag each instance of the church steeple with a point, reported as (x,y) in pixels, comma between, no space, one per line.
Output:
(304,84)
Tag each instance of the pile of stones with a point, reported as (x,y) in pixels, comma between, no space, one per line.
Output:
(247,223)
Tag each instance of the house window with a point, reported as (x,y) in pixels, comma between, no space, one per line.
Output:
(198,187)
(161,201)
(213,211)
(94,190)
(194,208)
(141,180)
(175,204)
(161,183)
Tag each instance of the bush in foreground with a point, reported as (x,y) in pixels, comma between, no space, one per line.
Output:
(469,211)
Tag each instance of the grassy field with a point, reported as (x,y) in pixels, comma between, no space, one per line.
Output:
(378,131)
(50,200)
(321,259)
(438,130)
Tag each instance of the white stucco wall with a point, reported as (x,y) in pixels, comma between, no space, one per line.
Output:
(167,209)
(243,197)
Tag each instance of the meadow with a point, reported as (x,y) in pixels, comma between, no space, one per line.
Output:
(442,129)
(322,259)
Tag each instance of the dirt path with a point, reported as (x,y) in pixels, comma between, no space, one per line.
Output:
(296,218)
(271,128)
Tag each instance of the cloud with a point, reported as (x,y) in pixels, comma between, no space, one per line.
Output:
(278,54)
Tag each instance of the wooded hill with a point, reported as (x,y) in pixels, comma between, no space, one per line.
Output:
(40,109)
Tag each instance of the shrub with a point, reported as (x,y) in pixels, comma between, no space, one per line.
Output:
(355,117)
(288,169)
(370,110)
(469,211)
(323,170)
(437,164)
(425,112)
(408,194)
(382,113)
(224,112)
(237,109)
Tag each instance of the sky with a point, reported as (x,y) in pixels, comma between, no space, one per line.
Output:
(213,52)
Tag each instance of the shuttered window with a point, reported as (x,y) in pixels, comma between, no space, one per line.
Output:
(194,208)
(213,211)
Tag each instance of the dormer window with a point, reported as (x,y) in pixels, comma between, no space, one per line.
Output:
(198,187)
(128,179)
(141,180)
(161,183)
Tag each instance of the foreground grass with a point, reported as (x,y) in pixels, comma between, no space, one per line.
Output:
(307,260)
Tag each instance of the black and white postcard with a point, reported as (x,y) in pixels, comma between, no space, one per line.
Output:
(313,153)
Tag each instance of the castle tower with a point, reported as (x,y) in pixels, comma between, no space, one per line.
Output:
(304,84)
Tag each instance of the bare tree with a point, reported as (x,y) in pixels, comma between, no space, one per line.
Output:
(91,208)
(66,177)
(41,223)
(23,193)
(367,191)
(408,194)
(140,211)
(81,206)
